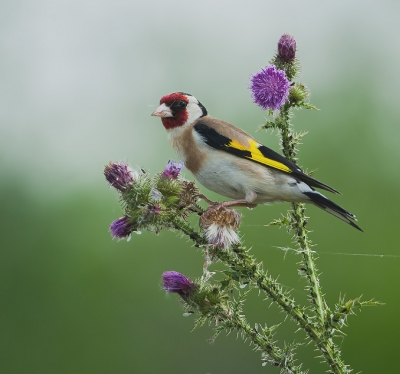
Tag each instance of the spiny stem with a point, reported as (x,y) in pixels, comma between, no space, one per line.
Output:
(264,344)
(308,260)
(240,261)
(227,317)
(299,220)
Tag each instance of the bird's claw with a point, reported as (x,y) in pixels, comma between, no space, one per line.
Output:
(207,200)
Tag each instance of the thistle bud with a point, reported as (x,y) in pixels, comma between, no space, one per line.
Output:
(287,48)
(118,175)
(121,228)
(220,226)
(174,282)
(298,93)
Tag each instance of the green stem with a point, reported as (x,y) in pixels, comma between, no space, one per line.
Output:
(264,344)
(299,221)
(309,263)
(240,261)
(227,316)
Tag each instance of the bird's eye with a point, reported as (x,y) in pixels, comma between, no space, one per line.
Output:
(181,104)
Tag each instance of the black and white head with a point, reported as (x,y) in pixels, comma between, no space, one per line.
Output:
(179,109)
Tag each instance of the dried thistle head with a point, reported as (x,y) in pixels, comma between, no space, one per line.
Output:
(189,194)
(220,226)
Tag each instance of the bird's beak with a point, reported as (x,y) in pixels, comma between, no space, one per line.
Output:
(162,111)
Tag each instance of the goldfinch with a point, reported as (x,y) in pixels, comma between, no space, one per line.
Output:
(227,160)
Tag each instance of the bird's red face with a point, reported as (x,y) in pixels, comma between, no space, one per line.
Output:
(178,109)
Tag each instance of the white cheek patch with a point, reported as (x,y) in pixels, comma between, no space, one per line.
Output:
(194,112)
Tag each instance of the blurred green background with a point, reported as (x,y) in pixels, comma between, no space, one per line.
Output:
(79,80)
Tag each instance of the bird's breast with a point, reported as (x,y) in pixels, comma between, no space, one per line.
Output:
(189,148)
(238,178)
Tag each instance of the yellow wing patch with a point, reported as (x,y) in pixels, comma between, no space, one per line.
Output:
(256,155)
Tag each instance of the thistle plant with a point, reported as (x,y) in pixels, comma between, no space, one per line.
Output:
(166,201)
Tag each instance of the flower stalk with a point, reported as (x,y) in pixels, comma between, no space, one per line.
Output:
(214,305)
(299,222)
(245,267)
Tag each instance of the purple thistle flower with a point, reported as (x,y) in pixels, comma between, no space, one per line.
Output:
(118,175)
(270,88)
(172,169)
(175,282)
(121,228)
(287,48)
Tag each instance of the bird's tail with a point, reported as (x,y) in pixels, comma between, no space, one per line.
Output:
(329,206)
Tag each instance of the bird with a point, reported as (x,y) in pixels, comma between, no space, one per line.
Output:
(230,162)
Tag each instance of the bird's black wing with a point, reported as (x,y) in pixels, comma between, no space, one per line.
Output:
(256,152)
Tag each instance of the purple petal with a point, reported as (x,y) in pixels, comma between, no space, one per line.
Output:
(270,88)
(175,282)
(287,48)
(121,228)
(172,169)
(118,175)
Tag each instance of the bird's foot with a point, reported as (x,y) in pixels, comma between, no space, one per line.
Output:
(232,203)
(207,200)
(238,203)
